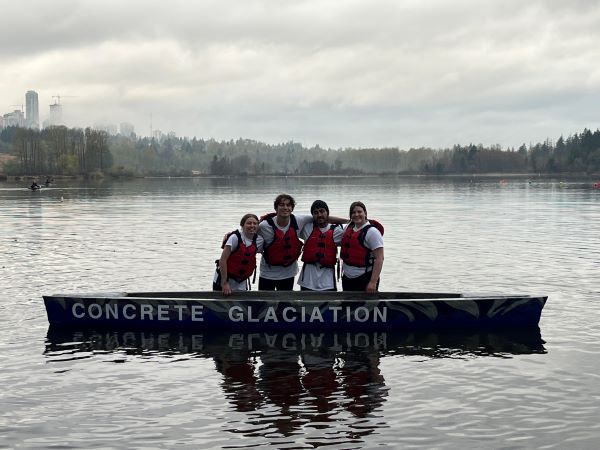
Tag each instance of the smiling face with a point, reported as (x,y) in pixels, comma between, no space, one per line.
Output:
(284,208)
(250,227)
(358,215)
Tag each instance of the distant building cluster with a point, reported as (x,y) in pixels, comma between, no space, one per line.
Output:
(28,116)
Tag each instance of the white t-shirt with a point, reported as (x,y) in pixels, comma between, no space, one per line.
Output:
(280,272)
(233,243)
(315,276)
(373,241)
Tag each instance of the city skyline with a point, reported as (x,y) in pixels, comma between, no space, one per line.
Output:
(30,117)
(335,74)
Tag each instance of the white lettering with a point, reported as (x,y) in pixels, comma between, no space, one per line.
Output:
(365,316)
(316,315)
(285,316)
(236,314)
(180,309)
(335,310)
(163,312)
(98,313)
(380,315)
(111,310)
(250,318)
(146,310)
(197,311)
(75,313)
(127,316)
(271,315)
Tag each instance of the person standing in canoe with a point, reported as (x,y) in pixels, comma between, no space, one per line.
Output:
(282,248)
(238,258)
(361,251)
(321,240)
(281,231)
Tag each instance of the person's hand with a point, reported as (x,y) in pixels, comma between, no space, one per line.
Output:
(226,289)
(371,287)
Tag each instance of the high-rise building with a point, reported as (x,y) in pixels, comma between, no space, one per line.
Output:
(32,110)
(14,119)
(55,114)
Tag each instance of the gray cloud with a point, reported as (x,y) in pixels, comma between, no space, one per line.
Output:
(337,74)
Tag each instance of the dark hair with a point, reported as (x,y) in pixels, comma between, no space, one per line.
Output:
(355,204)
(317,204)
(282,197)
(246,217)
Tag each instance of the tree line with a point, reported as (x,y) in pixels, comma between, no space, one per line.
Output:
(64,151)
(58,150)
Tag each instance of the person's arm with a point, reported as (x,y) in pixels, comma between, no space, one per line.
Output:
(377,266)
(226,289)
(338,220)
(338,233)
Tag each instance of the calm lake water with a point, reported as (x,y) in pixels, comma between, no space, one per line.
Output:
(534,389)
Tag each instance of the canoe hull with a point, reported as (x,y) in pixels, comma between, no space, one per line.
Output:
(291,311)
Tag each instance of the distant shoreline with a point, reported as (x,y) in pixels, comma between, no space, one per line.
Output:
(41,178)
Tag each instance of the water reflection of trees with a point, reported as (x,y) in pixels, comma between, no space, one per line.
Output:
(286,382)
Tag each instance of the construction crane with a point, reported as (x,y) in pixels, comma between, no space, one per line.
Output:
(58,97)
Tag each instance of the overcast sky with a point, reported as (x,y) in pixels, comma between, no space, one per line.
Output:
(337,73)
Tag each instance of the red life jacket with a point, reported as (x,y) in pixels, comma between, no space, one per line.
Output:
(285,248)
(353,250)
(242,260)
(320,247)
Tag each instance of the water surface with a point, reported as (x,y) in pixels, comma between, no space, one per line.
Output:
(90,389)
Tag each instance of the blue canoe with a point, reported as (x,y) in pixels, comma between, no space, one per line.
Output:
(291,310)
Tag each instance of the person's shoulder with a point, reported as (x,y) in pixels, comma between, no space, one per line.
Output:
(232,240)
(374,231)
(374,236)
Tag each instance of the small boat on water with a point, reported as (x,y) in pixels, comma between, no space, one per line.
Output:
(291,310)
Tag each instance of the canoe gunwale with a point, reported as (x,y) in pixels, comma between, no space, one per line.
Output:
(291,296)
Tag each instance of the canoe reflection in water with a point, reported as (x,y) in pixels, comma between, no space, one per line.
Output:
(306,377)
